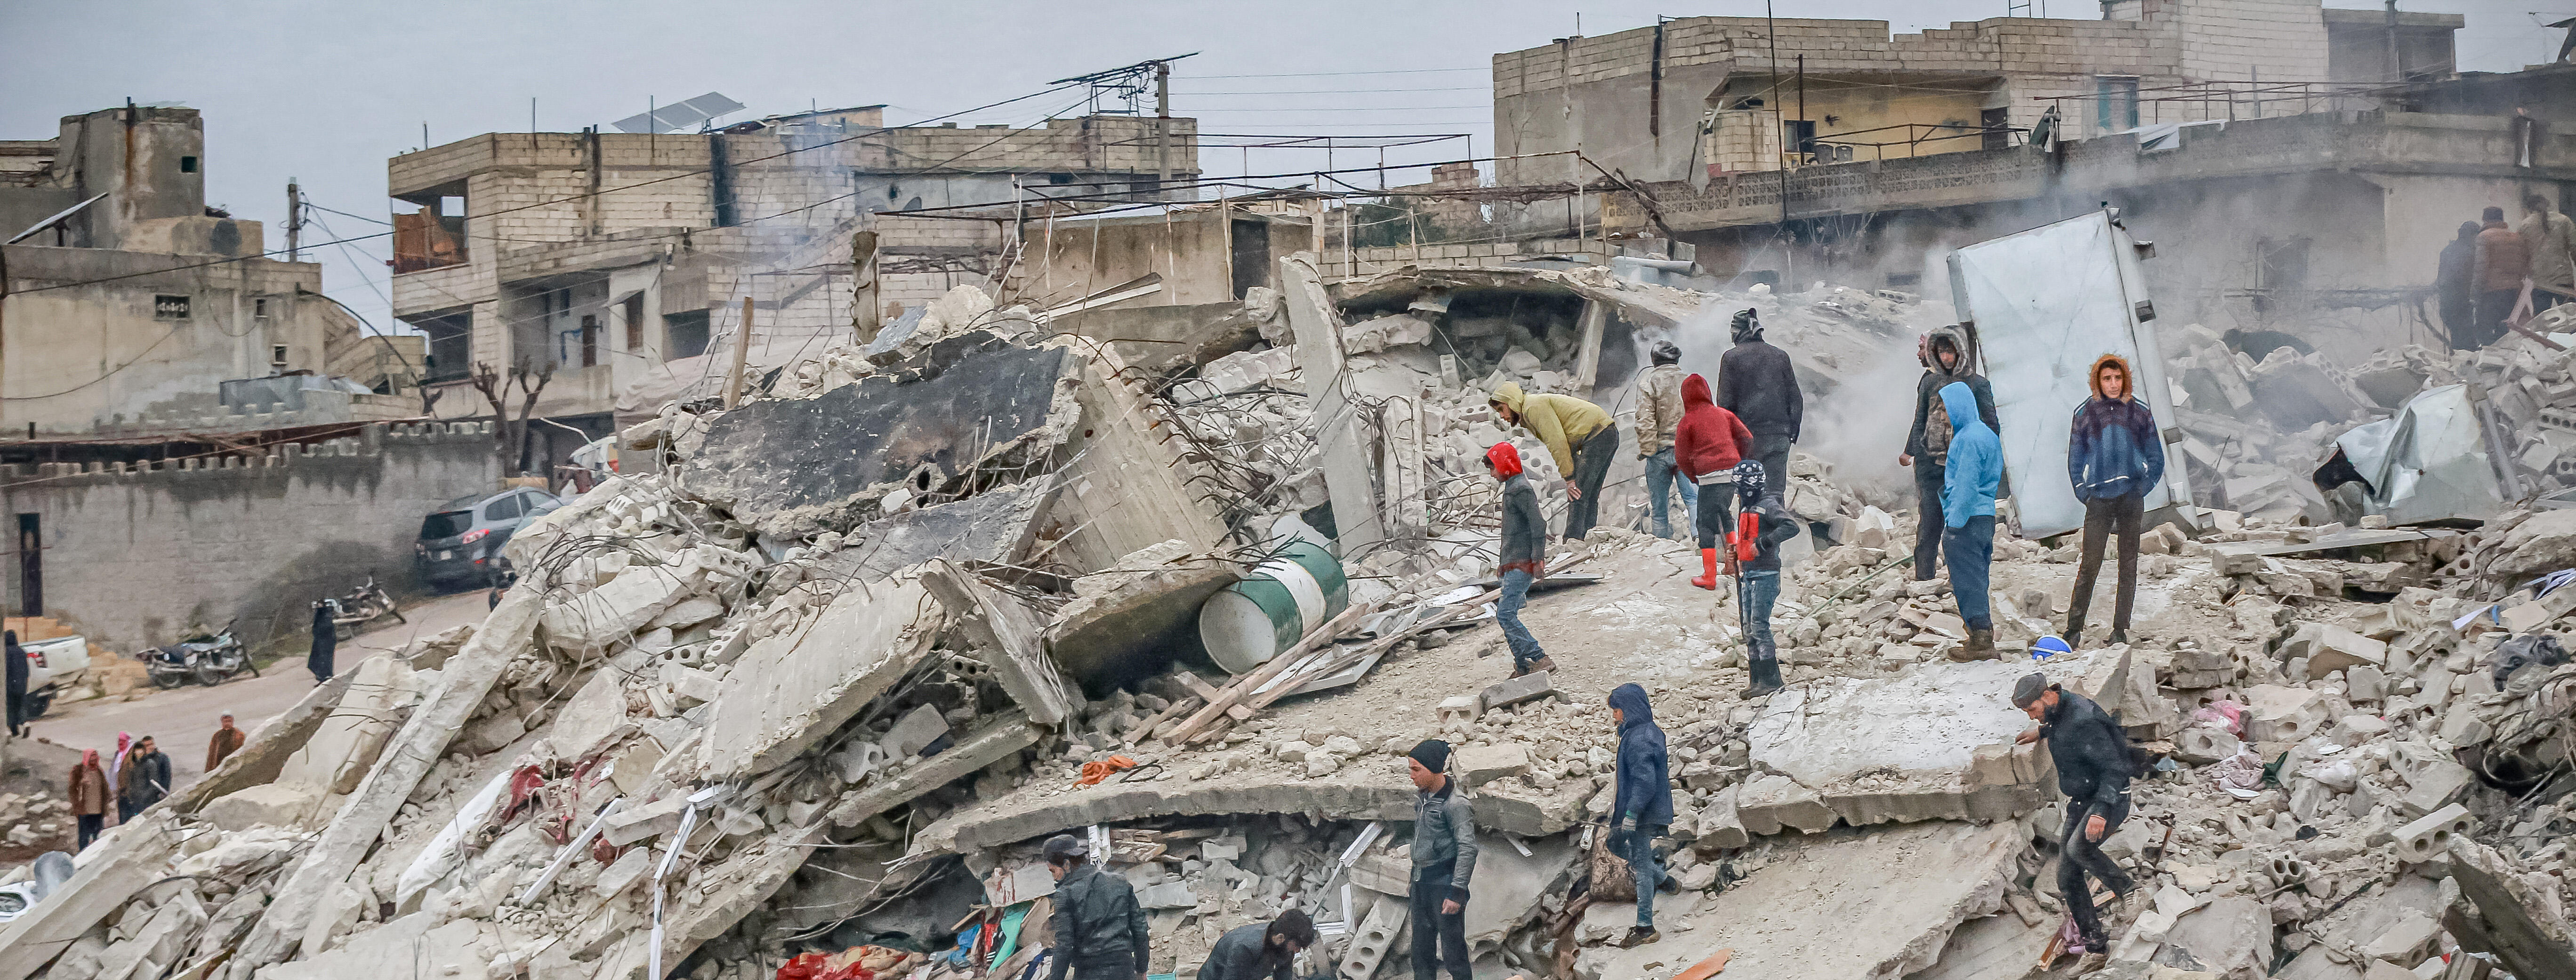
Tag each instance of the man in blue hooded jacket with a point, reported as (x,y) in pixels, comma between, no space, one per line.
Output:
(2113,458)
(1968,483)
(1644,805)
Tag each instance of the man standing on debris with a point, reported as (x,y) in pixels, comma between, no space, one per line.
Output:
(2455,284)
(2113,457)
(1763,526)
(1578,435)
(1523,557)
(2092,757)
(2551,236)
(1660,410)
(17,678)
(1099,928)
(1644,806)
(1969,480)
(1444,856)
(326,641)
(1756,382)
(227,740)
(2504,261)
(142,781)
(1946,358)
(1261,952)
(1707,446)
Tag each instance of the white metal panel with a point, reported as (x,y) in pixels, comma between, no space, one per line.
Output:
(2046,303)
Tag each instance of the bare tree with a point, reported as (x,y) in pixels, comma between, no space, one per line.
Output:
(510,438)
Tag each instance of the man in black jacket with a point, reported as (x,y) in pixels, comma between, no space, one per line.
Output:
(1444,858)
(1756,382)
(1947,356)
(2092,756)
(1099,928)
(1261,952)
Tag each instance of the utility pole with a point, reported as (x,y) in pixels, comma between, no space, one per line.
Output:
(1163,125)
(2395,74)
(294,221)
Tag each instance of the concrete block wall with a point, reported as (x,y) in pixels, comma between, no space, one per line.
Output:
(2236,40)
(135,556)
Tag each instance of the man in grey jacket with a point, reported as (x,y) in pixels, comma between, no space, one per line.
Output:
(1444,856)
(1659,412)
(1523,558)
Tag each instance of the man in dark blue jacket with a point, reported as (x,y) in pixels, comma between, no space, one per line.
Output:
(1644,805)
(2092,757)
(2113,457)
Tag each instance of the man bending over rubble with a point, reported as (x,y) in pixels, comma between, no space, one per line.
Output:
(1578,434)
(2092,756)
(1444,855)
(1524,557)
(1099,928)
(1645,804)
(1259,951)
(1969,479)
(2113,457)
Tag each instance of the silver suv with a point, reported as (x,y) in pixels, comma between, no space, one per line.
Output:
(461,543)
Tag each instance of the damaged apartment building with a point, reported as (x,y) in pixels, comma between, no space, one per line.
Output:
(604,273)
(2312,182)
(178,401)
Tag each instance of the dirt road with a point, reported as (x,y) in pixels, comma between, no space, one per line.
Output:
(183,720)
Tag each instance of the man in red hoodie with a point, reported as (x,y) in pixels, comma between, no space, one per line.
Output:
(1707,445)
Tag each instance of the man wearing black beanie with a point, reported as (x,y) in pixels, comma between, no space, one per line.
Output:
(1444,855)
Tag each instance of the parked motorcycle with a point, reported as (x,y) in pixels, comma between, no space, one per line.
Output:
(364,604)
(209,660)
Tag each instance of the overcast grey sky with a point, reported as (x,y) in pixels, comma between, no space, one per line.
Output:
(325,91)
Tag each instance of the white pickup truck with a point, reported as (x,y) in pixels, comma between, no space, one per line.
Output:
(53,666)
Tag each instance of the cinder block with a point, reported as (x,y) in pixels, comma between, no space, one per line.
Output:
(2429,837)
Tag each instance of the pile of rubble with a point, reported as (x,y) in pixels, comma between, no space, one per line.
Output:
(805,701)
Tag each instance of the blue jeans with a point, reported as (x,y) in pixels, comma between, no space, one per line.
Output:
(1507,611)
(1968,551)
(1660,478)
(1637,847)
(1761,589)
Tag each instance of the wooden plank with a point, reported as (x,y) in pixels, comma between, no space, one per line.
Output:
(1209,695)
(1245,684)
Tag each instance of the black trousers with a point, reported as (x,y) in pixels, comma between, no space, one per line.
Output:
(1591,468)
(1772,451)
(1927,520)
(90,824)
(1438,939)
(2111,517)
(1716,520)
(2079,857)
(2493,306)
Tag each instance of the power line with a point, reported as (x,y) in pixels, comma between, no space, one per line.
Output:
(1347,91)
(1322,74)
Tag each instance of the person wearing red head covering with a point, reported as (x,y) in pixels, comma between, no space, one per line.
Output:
(89,796)
(1524,557)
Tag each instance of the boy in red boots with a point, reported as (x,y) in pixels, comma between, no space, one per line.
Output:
(1707,445)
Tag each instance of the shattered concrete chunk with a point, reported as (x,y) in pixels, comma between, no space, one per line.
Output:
(1900,748)
(1481,764)
(791,689)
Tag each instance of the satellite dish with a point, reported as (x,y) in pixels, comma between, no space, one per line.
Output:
(677,116)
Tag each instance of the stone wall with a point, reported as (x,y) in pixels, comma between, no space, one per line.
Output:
(135,554)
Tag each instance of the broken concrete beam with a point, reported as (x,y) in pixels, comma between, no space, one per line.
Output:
(279,804)
(795,687)
(1127,485)
(1902,748)
(644,821)
(119,866)
(1770,802)
(344,842)
(268,748)
(983,747)
(1122,611)
(345,745)
(1527,687)
(913,732)
(1387,796)
(1317,326)
(612,612)
(1009,637)
(997,525)
(1481,764)
(2495,911)
(2429,837)
(793,468)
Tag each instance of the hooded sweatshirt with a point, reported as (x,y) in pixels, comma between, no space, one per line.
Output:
(1710,438)
(1976,464)
(1919,441)
(1645,787)
(2111,446)
(1561,421)
(1524,525)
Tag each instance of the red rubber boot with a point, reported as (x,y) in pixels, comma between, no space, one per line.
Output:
(1708,569)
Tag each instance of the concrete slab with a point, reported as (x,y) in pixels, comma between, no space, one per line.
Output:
(1866,904)
(1508,886)
(1127,610)
(117,868)
(994,526)
(1997,947)
(1900,748)
(1008,635)
(793,688)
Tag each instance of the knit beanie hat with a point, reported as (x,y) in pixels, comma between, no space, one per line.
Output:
(1432,753)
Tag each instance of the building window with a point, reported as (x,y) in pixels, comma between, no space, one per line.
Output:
(635,322)
(684,335)
(169,307)
(187,165)
(277,359)
(259,308)
(589,340)
(2115,104)
(450,346)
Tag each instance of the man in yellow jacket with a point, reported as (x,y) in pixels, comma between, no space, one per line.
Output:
(1579,436)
